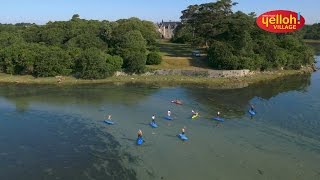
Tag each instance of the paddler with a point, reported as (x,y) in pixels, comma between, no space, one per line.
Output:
(194,113)
(153,119)
(252,107)
(139,133)
(183,130)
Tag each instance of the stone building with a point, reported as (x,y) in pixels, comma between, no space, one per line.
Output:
(166,29)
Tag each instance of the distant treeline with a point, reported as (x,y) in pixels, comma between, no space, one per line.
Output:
(311,31)
(234,41)
(87,49)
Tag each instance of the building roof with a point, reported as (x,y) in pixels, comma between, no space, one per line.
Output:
(170,23)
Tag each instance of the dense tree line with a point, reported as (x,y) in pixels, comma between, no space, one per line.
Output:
(87,49)
(311,31)
(234,41)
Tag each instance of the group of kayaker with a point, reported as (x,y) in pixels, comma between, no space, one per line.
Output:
(183,130)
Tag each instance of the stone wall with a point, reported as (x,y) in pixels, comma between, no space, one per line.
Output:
(197,73)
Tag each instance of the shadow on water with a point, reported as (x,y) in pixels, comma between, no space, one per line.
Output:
(171,136)
(145,124)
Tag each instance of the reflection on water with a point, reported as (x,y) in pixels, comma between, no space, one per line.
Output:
(50,132)
(45,145)
(234,102)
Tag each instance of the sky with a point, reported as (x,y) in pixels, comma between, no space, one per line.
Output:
(42,11)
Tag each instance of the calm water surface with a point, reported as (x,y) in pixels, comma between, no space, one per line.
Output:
(49,133)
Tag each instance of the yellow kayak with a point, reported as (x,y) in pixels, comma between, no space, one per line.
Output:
(195,116)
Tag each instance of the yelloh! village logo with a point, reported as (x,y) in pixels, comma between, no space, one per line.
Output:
(280,21)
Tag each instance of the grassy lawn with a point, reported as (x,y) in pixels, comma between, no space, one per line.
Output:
(179,56)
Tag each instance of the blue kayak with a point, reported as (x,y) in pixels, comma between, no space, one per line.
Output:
(109,122)
(154,125)
(140,141)
(168,118)
(183,137)
(252,113)
(218,119)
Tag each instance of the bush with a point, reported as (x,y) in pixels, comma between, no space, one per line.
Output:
(132,48)
(135,62)
(154,58)
(114,63)
(52,61)
(92,64)
(220,56)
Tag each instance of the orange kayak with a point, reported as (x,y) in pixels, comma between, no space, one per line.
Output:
(177,102)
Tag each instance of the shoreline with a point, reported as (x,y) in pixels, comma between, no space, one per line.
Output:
(158,80)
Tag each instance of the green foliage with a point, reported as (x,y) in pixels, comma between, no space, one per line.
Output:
(7,39)
(146,28)
(154,58)
(92,64)
(76,47)
(114,63)
(235,42)
(87,40)
(95,64)
(132,48)
(18,58)
(311,31)
(183,34)
(51,61)
(220,56)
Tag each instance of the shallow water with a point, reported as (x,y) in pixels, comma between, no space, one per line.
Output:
(51,132)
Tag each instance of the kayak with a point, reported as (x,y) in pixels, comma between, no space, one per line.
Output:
(218,119)
(252,113)
(176,102)
(154,125)
(140,141)
(109,122)
(183,137)
(195,116)
(168,118)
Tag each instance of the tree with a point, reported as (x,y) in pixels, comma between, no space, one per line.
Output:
(92,64)
(221,57)
(146,28)
(7,39)
(114,63)
(207,20)
(63,47)
(51,61)
(75,17)
(85,41)
(311,31)
(95,64)
(132,48)
(235,42)
(17,59)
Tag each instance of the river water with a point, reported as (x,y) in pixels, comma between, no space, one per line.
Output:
(50,132)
